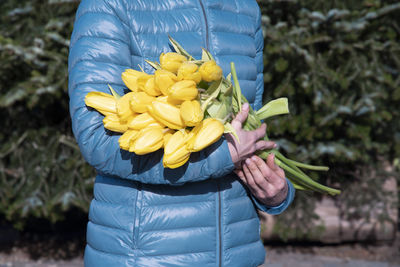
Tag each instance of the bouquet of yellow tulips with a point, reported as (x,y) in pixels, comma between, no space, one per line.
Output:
(185,106)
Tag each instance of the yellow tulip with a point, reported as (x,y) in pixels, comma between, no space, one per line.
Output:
(126,139)
(113,123)
(146,83)
(164,79)
(148,140)
(204,134)
(156,124)
(188,71)
(102,102)
(175,152)
(167,135)
(171,61)
(183,90)
(191,112)
(130,78)
(140,100)
(167,114)
(124,110)
(141,121)
(167,99)
(210,71)
(151,87)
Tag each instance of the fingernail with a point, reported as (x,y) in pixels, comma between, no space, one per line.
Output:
(248,161)
(245,106)
(275,145)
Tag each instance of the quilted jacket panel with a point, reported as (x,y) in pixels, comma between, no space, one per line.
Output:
(143,214)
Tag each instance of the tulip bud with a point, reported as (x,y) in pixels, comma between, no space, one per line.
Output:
(147,141)
(126,139)
(140,100)
(146,83)
(151,87)
(167,135)
(167,114)
(113,123)
(183,90)
(124,110)
(167,99)
(164,79)
(210,71)
(191,112)
(102,102)
(204,134)
(188,71)
(171,61)
(130,78)
(141,121)
(175,151)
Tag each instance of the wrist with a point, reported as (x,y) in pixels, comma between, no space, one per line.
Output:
(232,151)
(278,199)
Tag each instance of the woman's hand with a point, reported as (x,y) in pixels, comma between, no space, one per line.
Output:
(265,180)
(249,141)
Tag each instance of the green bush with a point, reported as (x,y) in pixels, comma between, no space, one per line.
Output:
(42,173)
(338,63)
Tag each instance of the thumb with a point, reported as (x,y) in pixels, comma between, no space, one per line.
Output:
(241,116)
(271,162)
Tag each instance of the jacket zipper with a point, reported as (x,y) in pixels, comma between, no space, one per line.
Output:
(219,226)
(205,22)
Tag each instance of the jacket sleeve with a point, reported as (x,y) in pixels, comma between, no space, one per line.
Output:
(259,38)
(99,52)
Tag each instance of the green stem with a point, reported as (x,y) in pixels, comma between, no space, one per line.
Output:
(282,158)
(307,181)
(236,87)
(307,166)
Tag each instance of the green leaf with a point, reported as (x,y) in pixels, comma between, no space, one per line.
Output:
(205,55)
(212,91)
(115,94)
(275,107)
(154,64)
(229,129)
(179,49)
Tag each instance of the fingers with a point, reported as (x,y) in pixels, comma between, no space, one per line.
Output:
(251,184)
(266,172)
(261,145)
(260,131)
(241,176)
(256,175)
(271,163)
(241,116)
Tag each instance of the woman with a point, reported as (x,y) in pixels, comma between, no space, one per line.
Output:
(200,214)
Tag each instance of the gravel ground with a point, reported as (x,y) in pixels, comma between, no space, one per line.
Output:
(64,251)
(329,257)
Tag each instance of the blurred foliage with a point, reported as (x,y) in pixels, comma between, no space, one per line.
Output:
(338,62)
(42,173)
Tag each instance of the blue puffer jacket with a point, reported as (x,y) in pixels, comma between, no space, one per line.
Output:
(142,214)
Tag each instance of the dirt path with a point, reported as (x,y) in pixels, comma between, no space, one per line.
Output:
(338,256)
(67,251)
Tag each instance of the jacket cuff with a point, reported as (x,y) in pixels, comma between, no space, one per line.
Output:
(281,207)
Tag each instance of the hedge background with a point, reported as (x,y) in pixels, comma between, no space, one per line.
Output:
(338,62)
